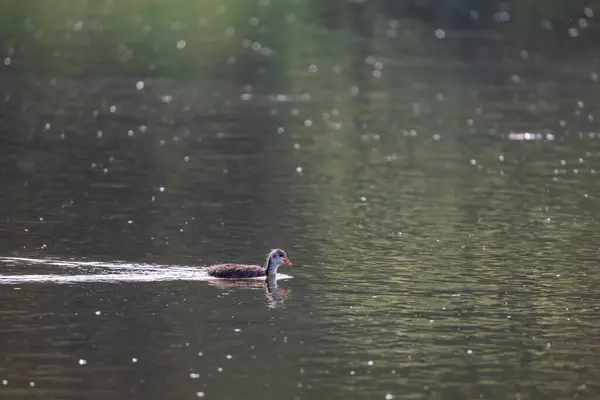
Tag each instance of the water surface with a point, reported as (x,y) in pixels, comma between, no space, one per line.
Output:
(438,199)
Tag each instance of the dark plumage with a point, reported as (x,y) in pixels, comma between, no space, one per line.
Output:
(236,271)
(275,258)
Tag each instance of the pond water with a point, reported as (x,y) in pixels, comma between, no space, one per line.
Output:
(439,205)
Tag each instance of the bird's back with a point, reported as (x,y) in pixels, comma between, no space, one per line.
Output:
(236,271)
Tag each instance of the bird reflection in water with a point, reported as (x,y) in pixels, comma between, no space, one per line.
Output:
(275,295)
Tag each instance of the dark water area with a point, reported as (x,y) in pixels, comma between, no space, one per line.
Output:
(432,175)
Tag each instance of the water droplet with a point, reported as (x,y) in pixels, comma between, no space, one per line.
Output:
(546,24)
(502,16)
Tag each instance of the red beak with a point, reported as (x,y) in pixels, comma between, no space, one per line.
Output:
(287,261)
